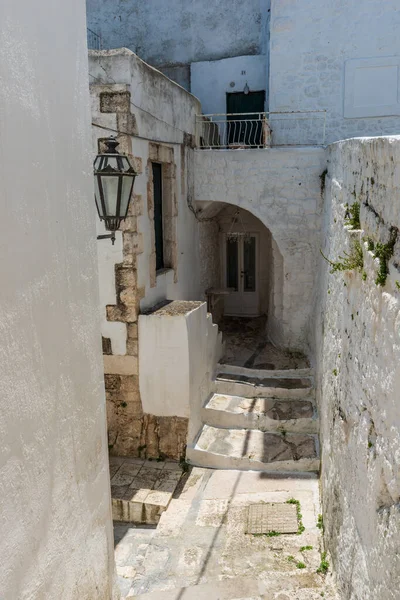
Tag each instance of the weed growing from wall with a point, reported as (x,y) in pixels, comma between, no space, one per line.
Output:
(353,260)
(384,253)
(353,215)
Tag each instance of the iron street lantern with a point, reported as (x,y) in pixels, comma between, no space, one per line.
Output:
(114,177)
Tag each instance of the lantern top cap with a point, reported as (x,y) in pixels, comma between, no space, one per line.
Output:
(111,145)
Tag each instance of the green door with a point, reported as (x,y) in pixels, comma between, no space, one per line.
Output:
(242,128)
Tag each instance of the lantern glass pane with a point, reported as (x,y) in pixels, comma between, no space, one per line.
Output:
(97,197)
(126,164)
(111,161)
(110,191)
(125,194)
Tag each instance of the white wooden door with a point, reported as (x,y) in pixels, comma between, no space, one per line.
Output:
(240,274)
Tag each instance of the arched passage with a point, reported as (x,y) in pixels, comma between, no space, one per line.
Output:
(243,273)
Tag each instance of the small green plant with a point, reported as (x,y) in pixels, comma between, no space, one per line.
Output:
(335,372)
(299,515)
(320,522)
(304,548)
(184,464)
(268,534)
(290,558)
(353,260)
(384,253)
(353,216)
(300,565)
(364,276)
(123,404)
(370,444)
(397,283)
(283,432)
(324,565)
(370,243)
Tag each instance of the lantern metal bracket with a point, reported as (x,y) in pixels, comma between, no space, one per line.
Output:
(107,236)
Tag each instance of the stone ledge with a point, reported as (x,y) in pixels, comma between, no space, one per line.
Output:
(141,490)
(120,365)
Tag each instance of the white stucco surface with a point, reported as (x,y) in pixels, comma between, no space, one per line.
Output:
(282,188)
(55,513)
(178,353)
(312,46)
(358,358)
(212,80)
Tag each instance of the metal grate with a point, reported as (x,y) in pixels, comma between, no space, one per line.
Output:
(266,518)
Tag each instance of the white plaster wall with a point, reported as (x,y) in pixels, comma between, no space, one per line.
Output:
(178,354)
(281,187)
(56,529)
(310,43)
(358,358)
(177,33)
(212,80)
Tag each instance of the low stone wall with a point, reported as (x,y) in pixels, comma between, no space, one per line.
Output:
(358,368)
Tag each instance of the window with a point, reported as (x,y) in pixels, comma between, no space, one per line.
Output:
(158,215)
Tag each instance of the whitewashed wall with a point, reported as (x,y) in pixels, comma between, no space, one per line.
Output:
(173,34)
(358,367)
(281,187)
(212,80)
(313,47)
(180,344)
(56,529)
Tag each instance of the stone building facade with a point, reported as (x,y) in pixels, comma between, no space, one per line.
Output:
(154,121)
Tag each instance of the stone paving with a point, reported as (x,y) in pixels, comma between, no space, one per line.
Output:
(200,548)
(246,345)
(142,489)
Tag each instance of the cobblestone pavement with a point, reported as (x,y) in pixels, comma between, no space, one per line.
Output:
(200,548)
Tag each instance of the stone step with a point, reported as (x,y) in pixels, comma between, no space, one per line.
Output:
(238,370)
(250,449)
(255,386)
(141,490)
(264,414)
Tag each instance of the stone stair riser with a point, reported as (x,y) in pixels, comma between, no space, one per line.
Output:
(202,458)
(226,420)
(234,388)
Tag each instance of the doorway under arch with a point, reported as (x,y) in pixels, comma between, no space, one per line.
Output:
(244,271)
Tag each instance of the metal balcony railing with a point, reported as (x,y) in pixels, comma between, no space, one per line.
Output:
(93,40)
(261,130)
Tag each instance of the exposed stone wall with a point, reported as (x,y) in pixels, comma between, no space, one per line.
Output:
(358,358)
(282,188)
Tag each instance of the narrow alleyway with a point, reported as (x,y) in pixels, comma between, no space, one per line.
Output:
(200,548)
(246,345)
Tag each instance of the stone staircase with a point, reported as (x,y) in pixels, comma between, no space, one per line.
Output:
(259,420)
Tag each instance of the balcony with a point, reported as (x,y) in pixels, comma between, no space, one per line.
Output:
(261,130)
(93,40)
